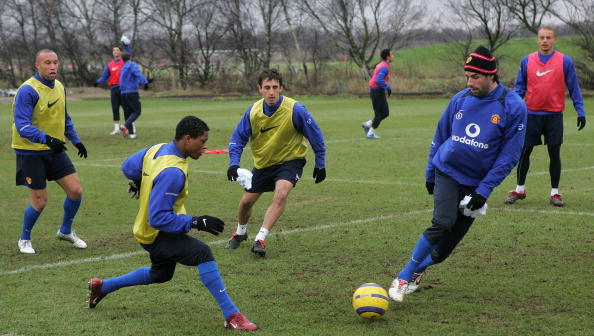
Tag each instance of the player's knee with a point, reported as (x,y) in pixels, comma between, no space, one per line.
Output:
(76,192)
(160,276)
(39,202)
(438,257)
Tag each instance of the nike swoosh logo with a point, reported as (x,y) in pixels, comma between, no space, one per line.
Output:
(49,105)
(540,74)
(264,130)
(144,174)
(114,69)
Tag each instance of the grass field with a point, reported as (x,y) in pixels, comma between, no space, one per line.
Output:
(525,269)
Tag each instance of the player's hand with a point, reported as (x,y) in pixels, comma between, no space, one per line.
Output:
(209,224)
(146,86)
(581,123)
(476,201)
(55,144)
(430,186)
(232,173)
(95,84)
(82,151)
(150,80)
(319,174)
(125,40)
(389,92)
(134,188)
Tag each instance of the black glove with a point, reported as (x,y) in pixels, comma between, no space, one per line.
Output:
(232,173)
(581,123)
(146,86)
(54,144)
(134,188)
(95,84)
(150,80)
(319,174)
(476,201)
(208,224)
(389,92)
(430,186)
(82,151)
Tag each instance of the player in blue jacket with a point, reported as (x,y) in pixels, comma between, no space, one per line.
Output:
(159,179)
(130,80)
(477,143)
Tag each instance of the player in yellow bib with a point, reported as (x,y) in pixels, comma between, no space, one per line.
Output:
(276,127)
(40,129)
(159,179)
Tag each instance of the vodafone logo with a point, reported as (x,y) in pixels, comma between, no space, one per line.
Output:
(473,130)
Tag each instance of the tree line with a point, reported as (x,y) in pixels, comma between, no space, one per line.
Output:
(223,44)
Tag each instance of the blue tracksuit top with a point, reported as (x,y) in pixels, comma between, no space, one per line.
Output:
(24,103)
(131,78)
(166,188)
(571,82)
(478,141)
(303,122)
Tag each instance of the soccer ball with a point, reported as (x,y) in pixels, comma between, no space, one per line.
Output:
(370,301)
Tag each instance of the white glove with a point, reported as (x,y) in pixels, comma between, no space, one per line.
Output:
(125,40)
(472,213)
(244,177)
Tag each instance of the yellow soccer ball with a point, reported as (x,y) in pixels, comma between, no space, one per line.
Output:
(370,301)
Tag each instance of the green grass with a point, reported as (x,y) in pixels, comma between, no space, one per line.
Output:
(524,269)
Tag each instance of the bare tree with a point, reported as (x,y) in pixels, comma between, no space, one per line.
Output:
(530,12)
(491,16)
(353,25)
(401,19)
(6,55)
(240,24)
(578,15)
(208,33)
(173,16)
(269,12)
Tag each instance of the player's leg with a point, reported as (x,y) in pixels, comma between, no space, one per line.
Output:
(30,172)
(133,100)
(115,109)
(244,212)
(534,131)
(285,177)
(446,197)
(553,139)
(63,172)
(380,109)
(367,124)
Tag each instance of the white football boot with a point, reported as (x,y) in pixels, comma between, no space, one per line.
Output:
(73,238)
(26,247)
(398,289)
(414,283)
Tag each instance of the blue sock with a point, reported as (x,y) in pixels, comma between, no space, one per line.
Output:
(141,276)
(70,209)
(421,251)
(29,220)
(209,274)
(426,263)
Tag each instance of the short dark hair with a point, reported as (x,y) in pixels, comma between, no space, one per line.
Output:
(270,74)
(116,46)
(125,56)
(190,125)
(385,53)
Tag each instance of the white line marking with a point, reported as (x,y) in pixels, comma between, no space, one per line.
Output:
(217,242)
(548,212)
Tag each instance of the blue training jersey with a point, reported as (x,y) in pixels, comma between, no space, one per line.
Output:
(24,103)
(303,122)
(571,82)
(478,140)
(166,188)
(131,78)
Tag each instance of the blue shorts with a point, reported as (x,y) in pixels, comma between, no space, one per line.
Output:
(33,170)
(264,180)
(549,125)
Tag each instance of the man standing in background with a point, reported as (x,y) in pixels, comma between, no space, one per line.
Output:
(112,71)
(542,80)
(380,90)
